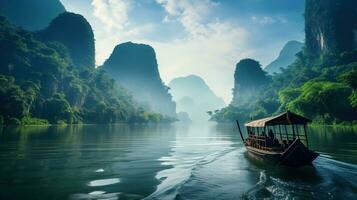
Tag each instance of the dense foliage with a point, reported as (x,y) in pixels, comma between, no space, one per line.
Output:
(39,84)
(321,100)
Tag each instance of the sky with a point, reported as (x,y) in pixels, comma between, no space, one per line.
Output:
(202,37)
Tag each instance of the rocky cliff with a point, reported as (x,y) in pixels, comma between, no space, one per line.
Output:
(249,79)
(74,31)
(134,66)
(31,14)
(286,57)
(330,26)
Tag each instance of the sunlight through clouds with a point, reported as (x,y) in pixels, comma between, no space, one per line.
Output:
(210,49)
(191,36)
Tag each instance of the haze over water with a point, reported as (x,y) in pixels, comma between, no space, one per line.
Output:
(178,161)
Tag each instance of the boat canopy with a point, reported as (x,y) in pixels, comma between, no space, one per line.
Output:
(286,118)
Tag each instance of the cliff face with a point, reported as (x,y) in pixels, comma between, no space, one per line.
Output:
(134,66)
(286,57)
(194,97)
(31,14)
(330,26)
(74,31)
(249,79)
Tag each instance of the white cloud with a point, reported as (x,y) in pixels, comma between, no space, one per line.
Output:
(212,58)
(106,41)
(190,13)
(207,45)
(112,13)
(210,49)
(268,20)
(265,20)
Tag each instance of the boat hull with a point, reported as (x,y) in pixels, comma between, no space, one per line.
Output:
(296,155)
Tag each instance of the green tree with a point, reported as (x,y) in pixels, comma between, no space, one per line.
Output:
(58,109)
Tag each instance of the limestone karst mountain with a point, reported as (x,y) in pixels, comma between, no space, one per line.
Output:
(330,26)
(249,79)
(134,66)
(74,31)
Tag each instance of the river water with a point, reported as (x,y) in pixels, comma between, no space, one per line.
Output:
(177,161)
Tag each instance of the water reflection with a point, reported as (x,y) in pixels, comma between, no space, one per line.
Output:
(336,142)
(203,160)
(228,173)
(75,161)
(179,161)
(103,182)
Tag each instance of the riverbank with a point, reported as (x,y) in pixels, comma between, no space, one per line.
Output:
(29,121)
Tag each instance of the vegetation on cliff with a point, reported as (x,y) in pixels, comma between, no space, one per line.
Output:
(324,90)
(39,84)
(250,82)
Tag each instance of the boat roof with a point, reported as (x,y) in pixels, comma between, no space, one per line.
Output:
(286,118)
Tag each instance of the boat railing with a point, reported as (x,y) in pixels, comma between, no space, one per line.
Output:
(264,138)
(291,136)
(261,142)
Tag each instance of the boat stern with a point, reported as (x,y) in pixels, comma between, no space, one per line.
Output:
(297,154)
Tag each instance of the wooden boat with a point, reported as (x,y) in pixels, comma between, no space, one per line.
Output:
(281,139)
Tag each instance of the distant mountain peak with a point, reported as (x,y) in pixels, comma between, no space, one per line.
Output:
(286,56)
(292,44)
(194,96)
(190,78)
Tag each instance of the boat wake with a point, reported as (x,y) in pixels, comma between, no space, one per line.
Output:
(227,174)
(274,188)
(176,178)
(328,179)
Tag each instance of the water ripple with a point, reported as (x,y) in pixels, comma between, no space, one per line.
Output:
(103,182)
